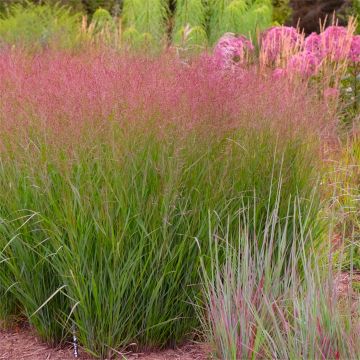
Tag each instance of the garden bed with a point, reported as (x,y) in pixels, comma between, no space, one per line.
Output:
(23,344)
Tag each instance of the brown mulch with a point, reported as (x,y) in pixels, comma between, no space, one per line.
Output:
(22,344)
(186,352)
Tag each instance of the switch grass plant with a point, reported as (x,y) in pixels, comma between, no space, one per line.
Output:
(262,303)
(109,168)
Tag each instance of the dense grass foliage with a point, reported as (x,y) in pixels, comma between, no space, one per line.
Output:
(44,26)
(261,304)
(139,191)
(112,167)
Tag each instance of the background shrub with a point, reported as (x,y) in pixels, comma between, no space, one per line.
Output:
(281,11)
(190,23)
(238,16)
(37,25)
(145,23)
(102,21)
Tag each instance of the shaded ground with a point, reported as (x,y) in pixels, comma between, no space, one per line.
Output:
(22,344)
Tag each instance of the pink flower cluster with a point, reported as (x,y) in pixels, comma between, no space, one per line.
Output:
(306,64)
(286,45)
(313,45)
(231,50)
(354,54)
(275,40)
(334,43)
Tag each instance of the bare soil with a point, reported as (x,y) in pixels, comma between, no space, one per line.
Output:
(22,344)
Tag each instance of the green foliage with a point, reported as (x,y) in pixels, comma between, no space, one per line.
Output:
(42,25)
(106,234)
(92,5)
(348,197)
(281,11)
(75,5)
(189,28)
(5,3)
(144,22)
(102,20)
(29,282)
(356,13)
(238,16)
(343,180)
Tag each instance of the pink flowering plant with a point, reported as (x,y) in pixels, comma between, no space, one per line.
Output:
(278,43)
(232,50)
(350,82)
(329,60)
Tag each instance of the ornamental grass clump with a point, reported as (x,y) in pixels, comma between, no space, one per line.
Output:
(262,303)
(110,167)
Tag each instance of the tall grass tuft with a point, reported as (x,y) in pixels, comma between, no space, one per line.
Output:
(110,166)
(263,303)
